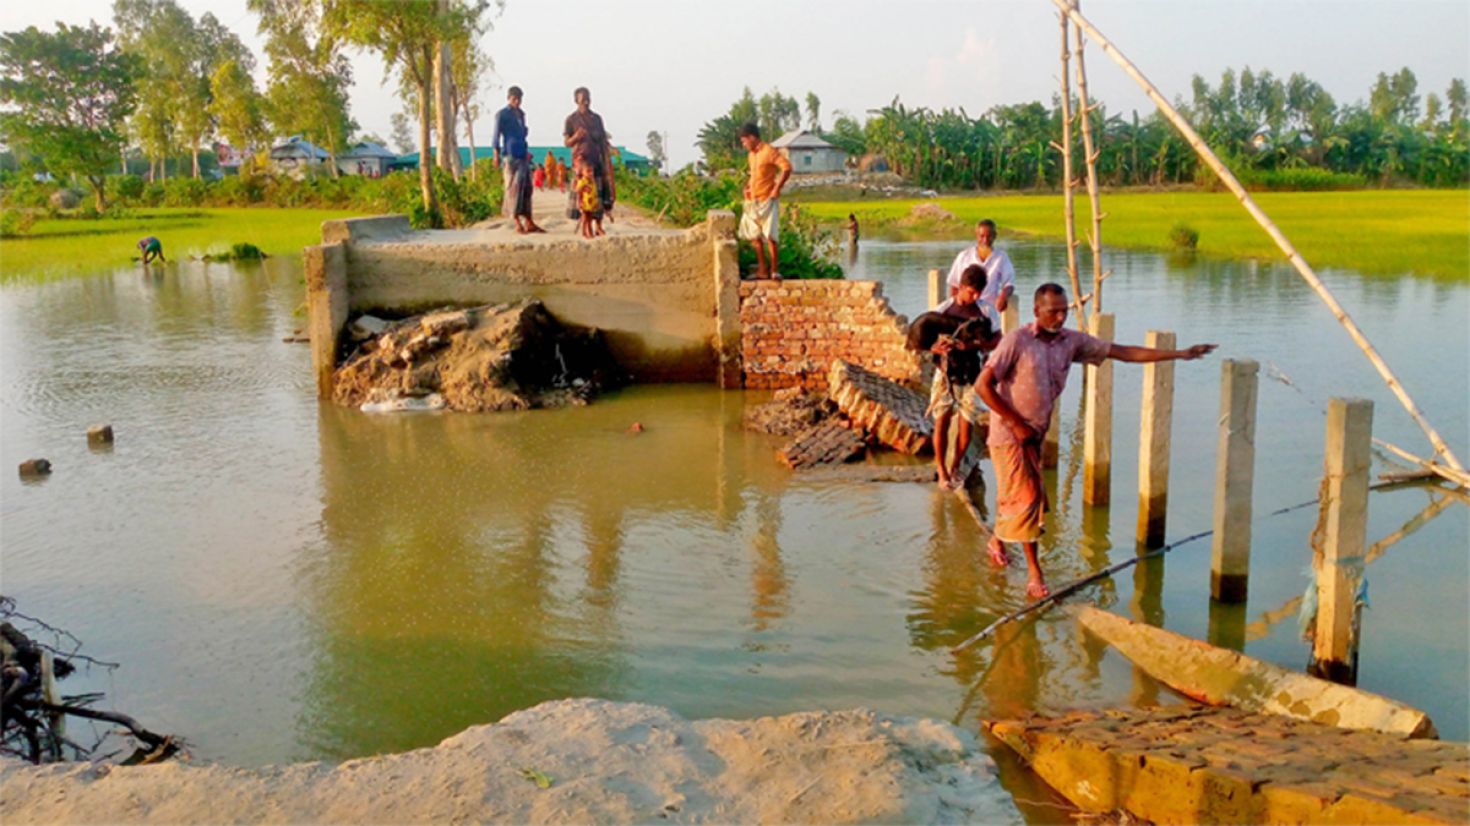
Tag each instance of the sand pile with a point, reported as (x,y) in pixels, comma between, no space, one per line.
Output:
(502,357)
(569,761)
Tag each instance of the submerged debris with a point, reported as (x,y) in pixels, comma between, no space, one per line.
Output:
(790,412)
(503,357)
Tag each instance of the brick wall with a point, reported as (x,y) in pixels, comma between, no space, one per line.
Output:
(791,331)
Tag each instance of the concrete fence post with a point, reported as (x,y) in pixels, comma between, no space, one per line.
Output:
(1348,462)
(1153,442)
(938,289)
(1011,318)
(1097,469)
(1234,477)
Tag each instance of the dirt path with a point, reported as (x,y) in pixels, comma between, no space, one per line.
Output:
(599,762)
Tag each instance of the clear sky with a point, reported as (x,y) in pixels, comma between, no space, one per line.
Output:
(671,65)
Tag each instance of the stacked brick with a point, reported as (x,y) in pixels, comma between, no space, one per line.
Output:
(889,412)
(827,442)
(792,331)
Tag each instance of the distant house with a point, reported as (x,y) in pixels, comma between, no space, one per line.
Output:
(622,156)
(296,155)
(371,160)
(808,153)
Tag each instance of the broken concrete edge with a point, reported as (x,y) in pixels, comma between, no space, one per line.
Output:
(375,228)
(1248,683)
(35,467)
(326,309)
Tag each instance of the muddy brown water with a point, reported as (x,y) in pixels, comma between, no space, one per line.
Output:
(284,580)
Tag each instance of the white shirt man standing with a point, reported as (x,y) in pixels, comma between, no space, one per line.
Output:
(1000,275)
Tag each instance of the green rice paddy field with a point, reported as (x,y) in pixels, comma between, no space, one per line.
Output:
(1379,232)
(69,246)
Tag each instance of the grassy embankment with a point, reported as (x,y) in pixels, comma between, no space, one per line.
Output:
(62,247)
(1378,232)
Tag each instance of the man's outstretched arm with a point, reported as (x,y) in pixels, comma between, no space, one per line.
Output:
(1141,355)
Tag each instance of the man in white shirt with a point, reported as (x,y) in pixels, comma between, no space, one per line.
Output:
(1000,281)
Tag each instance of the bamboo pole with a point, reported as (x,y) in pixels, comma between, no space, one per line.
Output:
(1457,477)
(1069,208)
(1094,237)
(1302,267)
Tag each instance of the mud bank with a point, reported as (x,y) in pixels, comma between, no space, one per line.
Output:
(605,762)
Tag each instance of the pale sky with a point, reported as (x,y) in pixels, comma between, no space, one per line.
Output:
(672,65)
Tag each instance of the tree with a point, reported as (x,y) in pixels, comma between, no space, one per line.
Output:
(238,109)
(719,141)
(402,132)
(846,134)
(656,150)
(469,68)
(161,36)
(309,74)
(813,112)
(407,35)
(72,92)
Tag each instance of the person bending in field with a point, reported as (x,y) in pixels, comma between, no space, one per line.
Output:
(1021,384)
(589,201)
(152,250)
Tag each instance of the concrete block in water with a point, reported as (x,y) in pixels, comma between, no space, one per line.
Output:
(33,468)
(99,434)
(892,413)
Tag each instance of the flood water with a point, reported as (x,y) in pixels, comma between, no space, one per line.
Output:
(284,580)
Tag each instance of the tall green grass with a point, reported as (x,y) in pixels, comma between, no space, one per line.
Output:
(71,246)
(1377,232)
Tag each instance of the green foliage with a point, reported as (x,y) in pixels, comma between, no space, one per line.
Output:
(682,199)
(685,199)
(126,187)
(774,113)
(70,93)
(1183,237)
(16,222)
(243,251)
(20,191)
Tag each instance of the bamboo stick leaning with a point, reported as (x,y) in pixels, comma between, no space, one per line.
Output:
(1090,153)
(1302,267)
(1069,209)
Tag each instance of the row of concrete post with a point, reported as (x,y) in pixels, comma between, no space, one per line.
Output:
(1345,503)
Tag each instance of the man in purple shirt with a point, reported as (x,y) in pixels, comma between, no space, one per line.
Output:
(1020,384)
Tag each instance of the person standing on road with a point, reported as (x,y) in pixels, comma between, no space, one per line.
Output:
(1000,275)
(585,135)
(1021,383)
(760,220)
(513,156)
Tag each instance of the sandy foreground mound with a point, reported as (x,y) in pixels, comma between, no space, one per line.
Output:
(605,762)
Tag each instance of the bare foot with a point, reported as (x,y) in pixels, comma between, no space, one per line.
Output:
(1036,589)
(535,228)
(998,556)
(942,478)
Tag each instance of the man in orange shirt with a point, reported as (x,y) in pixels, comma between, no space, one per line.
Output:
(760,221)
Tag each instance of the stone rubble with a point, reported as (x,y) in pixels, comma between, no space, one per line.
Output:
(891,413)
(825,443)
(497,357)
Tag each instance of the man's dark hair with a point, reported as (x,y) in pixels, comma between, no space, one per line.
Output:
(581,90)
(1050,288)
(749,129)
(513,92)
(986,222)
(974,277)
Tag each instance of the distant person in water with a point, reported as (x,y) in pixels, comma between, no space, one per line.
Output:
(152,249)
(1021,383)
